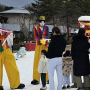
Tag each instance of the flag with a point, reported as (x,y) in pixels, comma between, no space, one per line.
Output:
(47,43)
(1,32)
(1,48)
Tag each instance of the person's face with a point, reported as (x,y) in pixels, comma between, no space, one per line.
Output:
(82,26)
(42,23)
(85,34)
(42,54)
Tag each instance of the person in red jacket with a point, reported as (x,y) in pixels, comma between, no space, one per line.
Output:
(40,32)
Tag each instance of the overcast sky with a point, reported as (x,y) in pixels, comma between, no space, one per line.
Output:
(16,3)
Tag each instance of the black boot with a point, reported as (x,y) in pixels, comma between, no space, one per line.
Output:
(74,86)
(21,86)
(48,82)
(87,88)
(81,88)
(34,82)
(1,88)
(68,87)
(64,87)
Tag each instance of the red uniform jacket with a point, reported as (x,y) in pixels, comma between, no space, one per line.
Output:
(39,34)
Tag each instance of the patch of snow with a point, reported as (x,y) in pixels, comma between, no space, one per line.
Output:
(25,66)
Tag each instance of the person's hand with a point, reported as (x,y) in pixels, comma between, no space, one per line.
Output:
(12,31)
(42,41)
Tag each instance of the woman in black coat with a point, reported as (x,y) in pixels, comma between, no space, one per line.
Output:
(54,53)
(80,47)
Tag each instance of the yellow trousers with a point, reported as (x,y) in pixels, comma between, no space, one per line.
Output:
(7,58)
(37,56)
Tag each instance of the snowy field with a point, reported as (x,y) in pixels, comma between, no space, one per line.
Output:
(25,66)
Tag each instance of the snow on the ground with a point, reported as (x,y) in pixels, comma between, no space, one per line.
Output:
(25,66)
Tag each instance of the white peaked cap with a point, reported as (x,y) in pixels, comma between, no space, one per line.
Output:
(84,18)
(82,26)
(0,25)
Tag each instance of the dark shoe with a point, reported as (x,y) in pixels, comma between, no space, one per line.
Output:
(1,88)
(86,88)
(34,82)
(48,82)
(74,86)
(21,86)
(68,87)
(43,88)
(81,88)
(82,84)
(64,87)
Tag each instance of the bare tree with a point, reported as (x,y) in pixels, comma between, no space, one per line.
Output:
(23,25)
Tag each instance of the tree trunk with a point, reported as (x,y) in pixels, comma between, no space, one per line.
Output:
(53,22)
(67,29)
(29,30)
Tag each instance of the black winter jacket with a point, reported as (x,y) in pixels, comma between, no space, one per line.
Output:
(56,47)
(80,55)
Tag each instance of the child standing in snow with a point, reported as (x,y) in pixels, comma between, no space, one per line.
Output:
(43,69)
(66,68)
(21,51)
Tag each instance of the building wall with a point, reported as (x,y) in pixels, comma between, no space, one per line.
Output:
(12,18)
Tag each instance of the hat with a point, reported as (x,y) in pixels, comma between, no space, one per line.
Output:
(67,53)
(0,25)
(42,18)
(44,52)
(22,45)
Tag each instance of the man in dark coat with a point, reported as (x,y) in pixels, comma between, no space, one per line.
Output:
(80,47)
